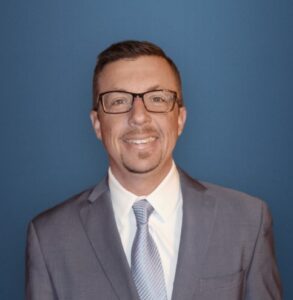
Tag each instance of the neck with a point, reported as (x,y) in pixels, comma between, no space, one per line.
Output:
(141,184)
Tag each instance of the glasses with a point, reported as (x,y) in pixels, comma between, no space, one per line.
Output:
(157,101)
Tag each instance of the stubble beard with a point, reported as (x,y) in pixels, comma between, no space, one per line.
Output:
(135,168)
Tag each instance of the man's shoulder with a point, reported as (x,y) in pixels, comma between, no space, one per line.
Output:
(224,198)
(63,210)
(69,209)
(235,201)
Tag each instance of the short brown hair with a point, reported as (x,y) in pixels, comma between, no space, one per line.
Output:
(130,49)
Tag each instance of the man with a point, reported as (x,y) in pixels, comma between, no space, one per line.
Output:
(149,231)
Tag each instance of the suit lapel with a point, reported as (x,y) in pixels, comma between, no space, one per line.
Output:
(99,223)
(198,218)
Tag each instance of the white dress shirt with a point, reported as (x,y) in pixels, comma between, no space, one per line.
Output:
(164,223)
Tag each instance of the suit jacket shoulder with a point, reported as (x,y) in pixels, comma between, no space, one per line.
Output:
(226,248)
(70,207)
(228,202)
(74,251)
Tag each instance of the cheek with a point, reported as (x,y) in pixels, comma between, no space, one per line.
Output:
(171,133)
(173,137)
(110,137)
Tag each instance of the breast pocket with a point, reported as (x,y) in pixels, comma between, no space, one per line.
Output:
(228,287)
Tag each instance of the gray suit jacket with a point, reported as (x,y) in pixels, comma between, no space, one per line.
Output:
(226,249)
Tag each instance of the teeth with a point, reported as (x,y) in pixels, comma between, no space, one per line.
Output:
(141,141)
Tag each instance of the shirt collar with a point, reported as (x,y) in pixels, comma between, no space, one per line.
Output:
(122,199)
(164,199)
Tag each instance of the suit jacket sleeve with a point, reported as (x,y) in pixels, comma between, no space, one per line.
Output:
(38,282)
(263,280)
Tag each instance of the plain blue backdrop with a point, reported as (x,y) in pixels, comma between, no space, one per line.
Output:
(236,60)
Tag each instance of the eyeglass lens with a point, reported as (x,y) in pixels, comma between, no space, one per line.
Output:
(154,101)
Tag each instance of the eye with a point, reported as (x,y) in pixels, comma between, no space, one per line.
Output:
(119,101)
(116,102)
(158,99)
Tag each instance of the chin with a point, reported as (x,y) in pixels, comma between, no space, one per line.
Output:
(141,167)
(142,170)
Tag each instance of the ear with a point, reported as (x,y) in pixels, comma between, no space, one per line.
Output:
(182,114)
(96,123)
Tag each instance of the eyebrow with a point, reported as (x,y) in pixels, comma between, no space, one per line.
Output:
(152,88)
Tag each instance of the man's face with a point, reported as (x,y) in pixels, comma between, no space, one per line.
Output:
(139,142)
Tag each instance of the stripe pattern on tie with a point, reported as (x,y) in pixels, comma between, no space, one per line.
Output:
(146,266)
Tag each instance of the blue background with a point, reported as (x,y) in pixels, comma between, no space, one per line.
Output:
(237,69)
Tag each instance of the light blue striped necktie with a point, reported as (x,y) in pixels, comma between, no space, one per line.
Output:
(146,266)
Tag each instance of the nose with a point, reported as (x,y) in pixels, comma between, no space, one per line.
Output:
(138,114)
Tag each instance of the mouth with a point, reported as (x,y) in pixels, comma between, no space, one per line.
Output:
(140,141)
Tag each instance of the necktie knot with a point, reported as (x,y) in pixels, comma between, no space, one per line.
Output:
(142,210)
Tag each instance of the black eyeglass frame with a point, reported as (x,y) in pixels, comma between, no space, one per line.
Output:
(139,95)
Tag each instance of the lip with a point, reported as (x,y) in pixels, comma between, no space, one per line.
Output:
(140,140)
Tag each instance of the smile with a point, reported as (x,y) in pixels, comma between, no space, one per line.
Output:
(141,141)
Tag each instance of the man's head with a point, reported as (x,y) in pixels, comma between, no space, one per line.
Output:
(130,50)
(139,116)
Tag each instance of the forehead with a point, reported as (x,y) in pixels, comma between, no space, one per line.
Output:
(138,75)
